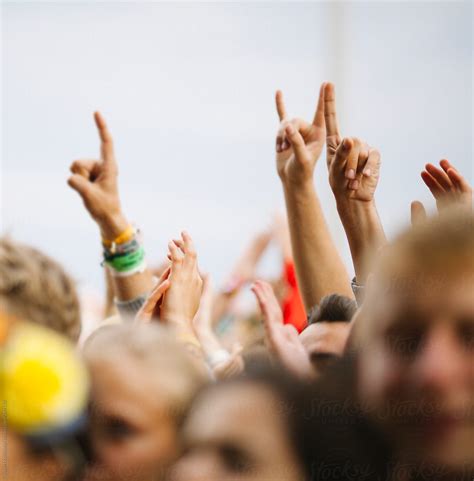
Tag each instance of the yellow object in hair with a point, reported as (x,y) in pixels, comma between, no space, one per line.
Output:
(43,384)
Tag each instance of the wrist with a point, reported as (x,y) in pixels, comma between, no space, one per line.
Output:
(111,226)
(348,207)
(299,188)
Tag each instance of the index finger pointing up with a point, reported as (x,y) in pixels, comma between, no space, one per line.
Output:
(107,146)
(332,128)
(280,105)
(318,120)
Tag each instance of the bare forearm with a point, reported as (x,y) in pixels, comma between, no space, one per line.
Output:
(364,233)
(319,267)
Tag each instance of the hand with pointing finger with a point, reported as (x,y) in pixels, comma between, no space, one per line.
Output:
(354,169)
(298,144)
(354,166)
(96,182)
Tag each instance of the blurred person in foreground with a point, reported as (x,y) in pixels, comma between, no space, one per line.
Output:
(44,393)
(142,382)
(415,346)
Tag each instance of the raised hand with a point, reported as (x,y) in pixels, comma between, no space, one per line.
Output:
(447,185)
(282,340)
(299,143)
(181,300)
(96,182)
(151,309)
(354,166)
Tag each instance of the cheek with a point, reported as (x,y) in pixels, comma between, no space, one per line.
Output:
(199,466)
(379,378)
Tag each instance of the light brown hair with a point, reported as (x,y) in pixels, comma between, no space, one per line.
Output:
(36,288)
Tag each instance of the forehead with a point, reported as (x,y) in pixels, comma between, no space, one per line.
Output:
(126,388)
(247,415)
(424,299)
(325,337)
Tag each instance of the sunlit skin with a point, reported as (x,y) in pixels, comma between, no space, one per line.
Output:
(133,429)
(237,432)
(325,342)
(416,374)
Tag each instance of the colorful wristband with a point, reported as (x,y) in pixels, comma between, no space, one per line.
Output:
(124,237)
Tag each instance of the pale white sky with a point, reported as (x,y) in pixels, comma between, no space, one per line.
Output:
(187,89)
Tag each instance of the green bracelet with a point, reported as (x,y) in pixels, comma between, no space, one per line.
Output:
(127,262)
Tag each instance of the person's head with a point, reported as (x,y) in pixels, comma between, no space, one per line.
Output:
(44,392)
(328,328)
(142,381)
(247,428)
(35,288)
(415,342)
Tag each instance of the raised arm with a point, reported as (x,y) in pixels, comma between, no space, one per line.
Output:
(319,267)
(354,169)
(96,181)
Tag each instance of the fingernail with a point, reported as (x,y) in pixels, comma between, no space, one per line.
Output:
(367,172)
(345,143)
(354,185)
(289,129)
(350,174)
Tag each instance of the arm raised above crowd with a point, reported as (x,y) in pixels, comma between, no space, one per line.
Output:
(319,267)
(96,181)
(354,169)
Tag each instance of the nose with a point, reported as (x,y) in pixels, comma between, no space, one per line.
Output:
(195,468)
(440,363)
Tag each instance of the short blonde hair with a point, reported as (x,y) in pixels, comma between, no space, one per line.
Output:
(425,256)
(179,374)
(35,288)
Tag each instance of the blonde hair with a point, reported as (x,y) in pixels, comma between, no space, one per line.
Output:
(153,346)
(445,242)
(425,255)
(36,288)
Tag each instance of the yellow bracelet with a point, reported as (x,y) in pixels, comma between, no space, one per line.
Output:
(124,237)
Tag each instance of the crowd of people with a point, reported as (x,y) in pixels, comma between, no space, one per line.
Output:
(326,378)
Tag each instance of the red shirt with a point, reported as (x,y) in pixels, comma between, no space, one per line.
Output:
(292,305)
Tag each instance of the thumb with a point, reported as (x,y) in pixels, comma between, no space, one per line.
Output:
(80,184)
(418,213)
(296,141)
(236,349)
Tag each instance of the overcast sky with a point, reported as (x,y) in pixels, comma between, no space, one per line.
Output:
(187,89)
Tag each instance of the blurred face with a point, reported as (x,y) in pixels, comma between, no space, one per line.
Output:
(237,432)
(325,342)
(416,371)
(134,434)
(22,465)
